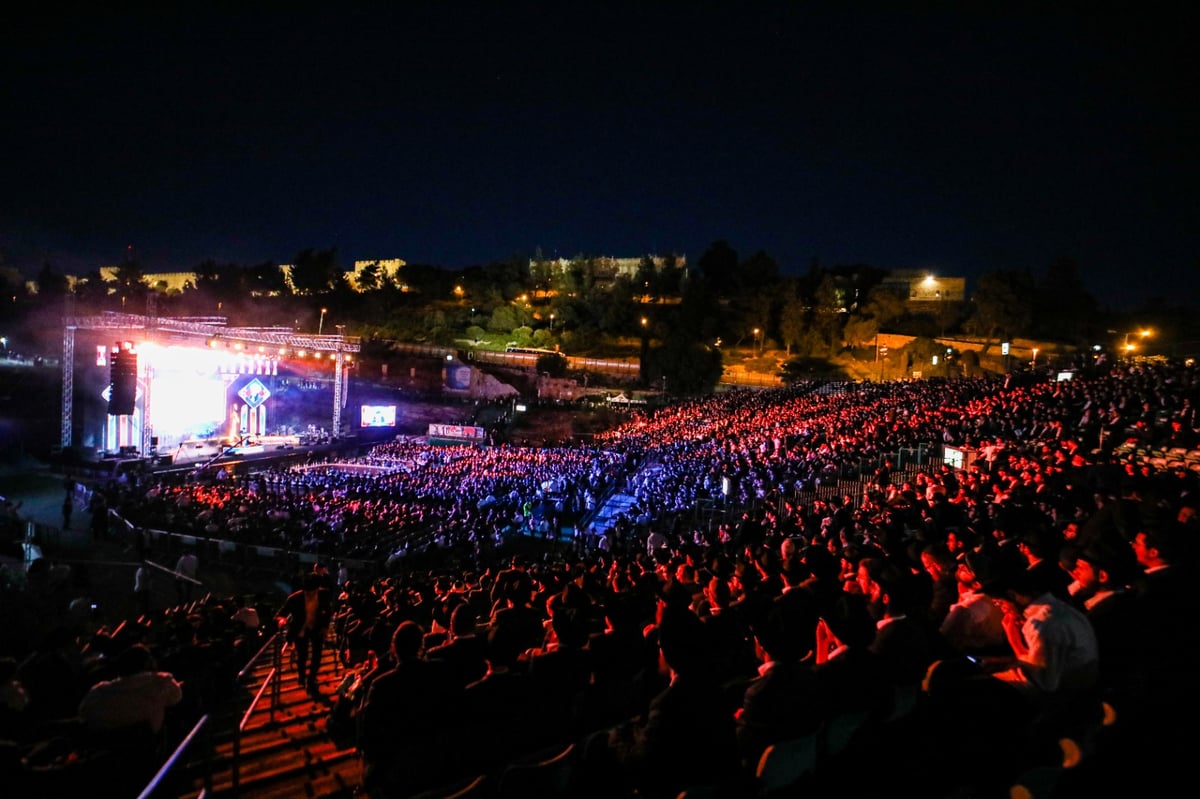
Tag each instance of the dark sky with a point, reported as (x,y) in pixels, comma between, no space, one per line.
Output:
(453,133)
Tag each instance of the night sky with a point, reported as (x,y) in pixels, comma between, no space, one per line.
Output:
(455,134)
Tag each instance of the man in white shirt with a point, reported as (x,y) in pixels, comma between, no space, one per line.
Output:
(137,700)
(1057,656)
(141,589)
(185,575)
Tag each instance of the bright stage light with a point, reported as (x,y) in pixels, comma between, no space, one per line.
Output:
(187,391)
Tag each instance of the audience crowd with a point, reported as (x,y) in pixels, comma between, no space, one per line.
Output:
(1012,600)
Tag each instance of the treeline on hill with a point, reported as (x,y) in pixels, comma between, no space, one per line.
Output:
(678,318)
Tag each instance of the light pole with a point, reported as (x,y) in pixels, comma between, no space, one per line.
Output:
(321,322)
(551,323)
(756,347)
(1130,346)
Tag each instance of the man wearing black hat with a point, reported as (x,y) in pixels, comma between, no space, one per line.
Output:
(974,622)
(1103,575)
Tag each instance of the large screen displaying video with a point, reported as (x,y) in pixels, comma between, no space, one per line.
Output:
(378,416)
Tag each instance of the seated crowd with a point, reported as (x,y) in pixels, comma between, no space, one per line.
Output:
(1044,580)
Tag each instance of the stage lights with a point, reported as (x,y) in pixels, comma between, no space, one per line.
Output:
(250,350)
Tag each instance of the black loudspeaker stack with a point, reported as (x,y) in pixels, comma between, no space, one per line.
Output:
(122,375)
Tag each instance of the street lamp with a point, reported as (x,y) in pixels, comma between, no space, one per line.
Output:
(1131,346)
(551,323)
(756,348)
(321,322)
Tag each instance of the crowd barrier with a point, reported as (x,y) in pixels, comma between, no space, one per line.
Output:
(238,553)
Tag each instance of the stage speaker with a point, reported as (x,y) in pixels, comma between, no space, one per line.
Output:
(122,381)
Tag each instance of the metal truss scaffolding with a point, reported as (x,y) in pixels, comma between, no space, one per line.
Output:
(208,329)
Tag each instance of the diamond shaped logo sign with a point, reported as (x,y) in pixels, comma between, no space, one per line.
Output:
(254,393)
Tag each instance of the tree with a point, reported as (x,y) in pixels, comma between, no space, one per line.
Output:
(617,313)
(718,265)
(370,278)
(699,312)
(264,279)
(884,306)
(315,271)
(759,271)
(50,284)
(503,319)
(541,272)
(860,331)
(1003,304)
(91,288)
(645,279)
(690,367)
(793,322)
(579,277)
(670,277)
(826,314)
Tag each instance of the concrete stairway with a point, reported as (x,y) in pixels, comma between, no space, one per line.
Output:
(285,750)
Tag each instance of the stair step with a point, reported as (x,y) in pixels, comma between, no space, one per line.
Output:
(335,775)
(286,753)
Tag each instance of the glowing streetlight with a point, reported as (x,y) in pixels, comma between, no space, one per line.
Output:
(551,323)
(1130,346)
(321,322)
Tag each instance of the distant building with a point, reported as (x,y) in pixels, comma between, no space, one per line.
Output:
(609,268)
(918,288)
(163,282)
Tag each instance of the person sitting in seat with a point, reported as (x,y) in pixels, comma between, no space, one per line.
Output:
(136,700)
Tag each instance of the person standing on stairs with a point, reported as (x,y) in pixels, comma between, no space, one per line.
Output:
(306,615)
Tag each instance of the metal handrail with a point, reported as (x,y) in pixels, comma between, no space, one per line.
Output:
(237,736)
(272,681)
(241,675)
(158,778)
